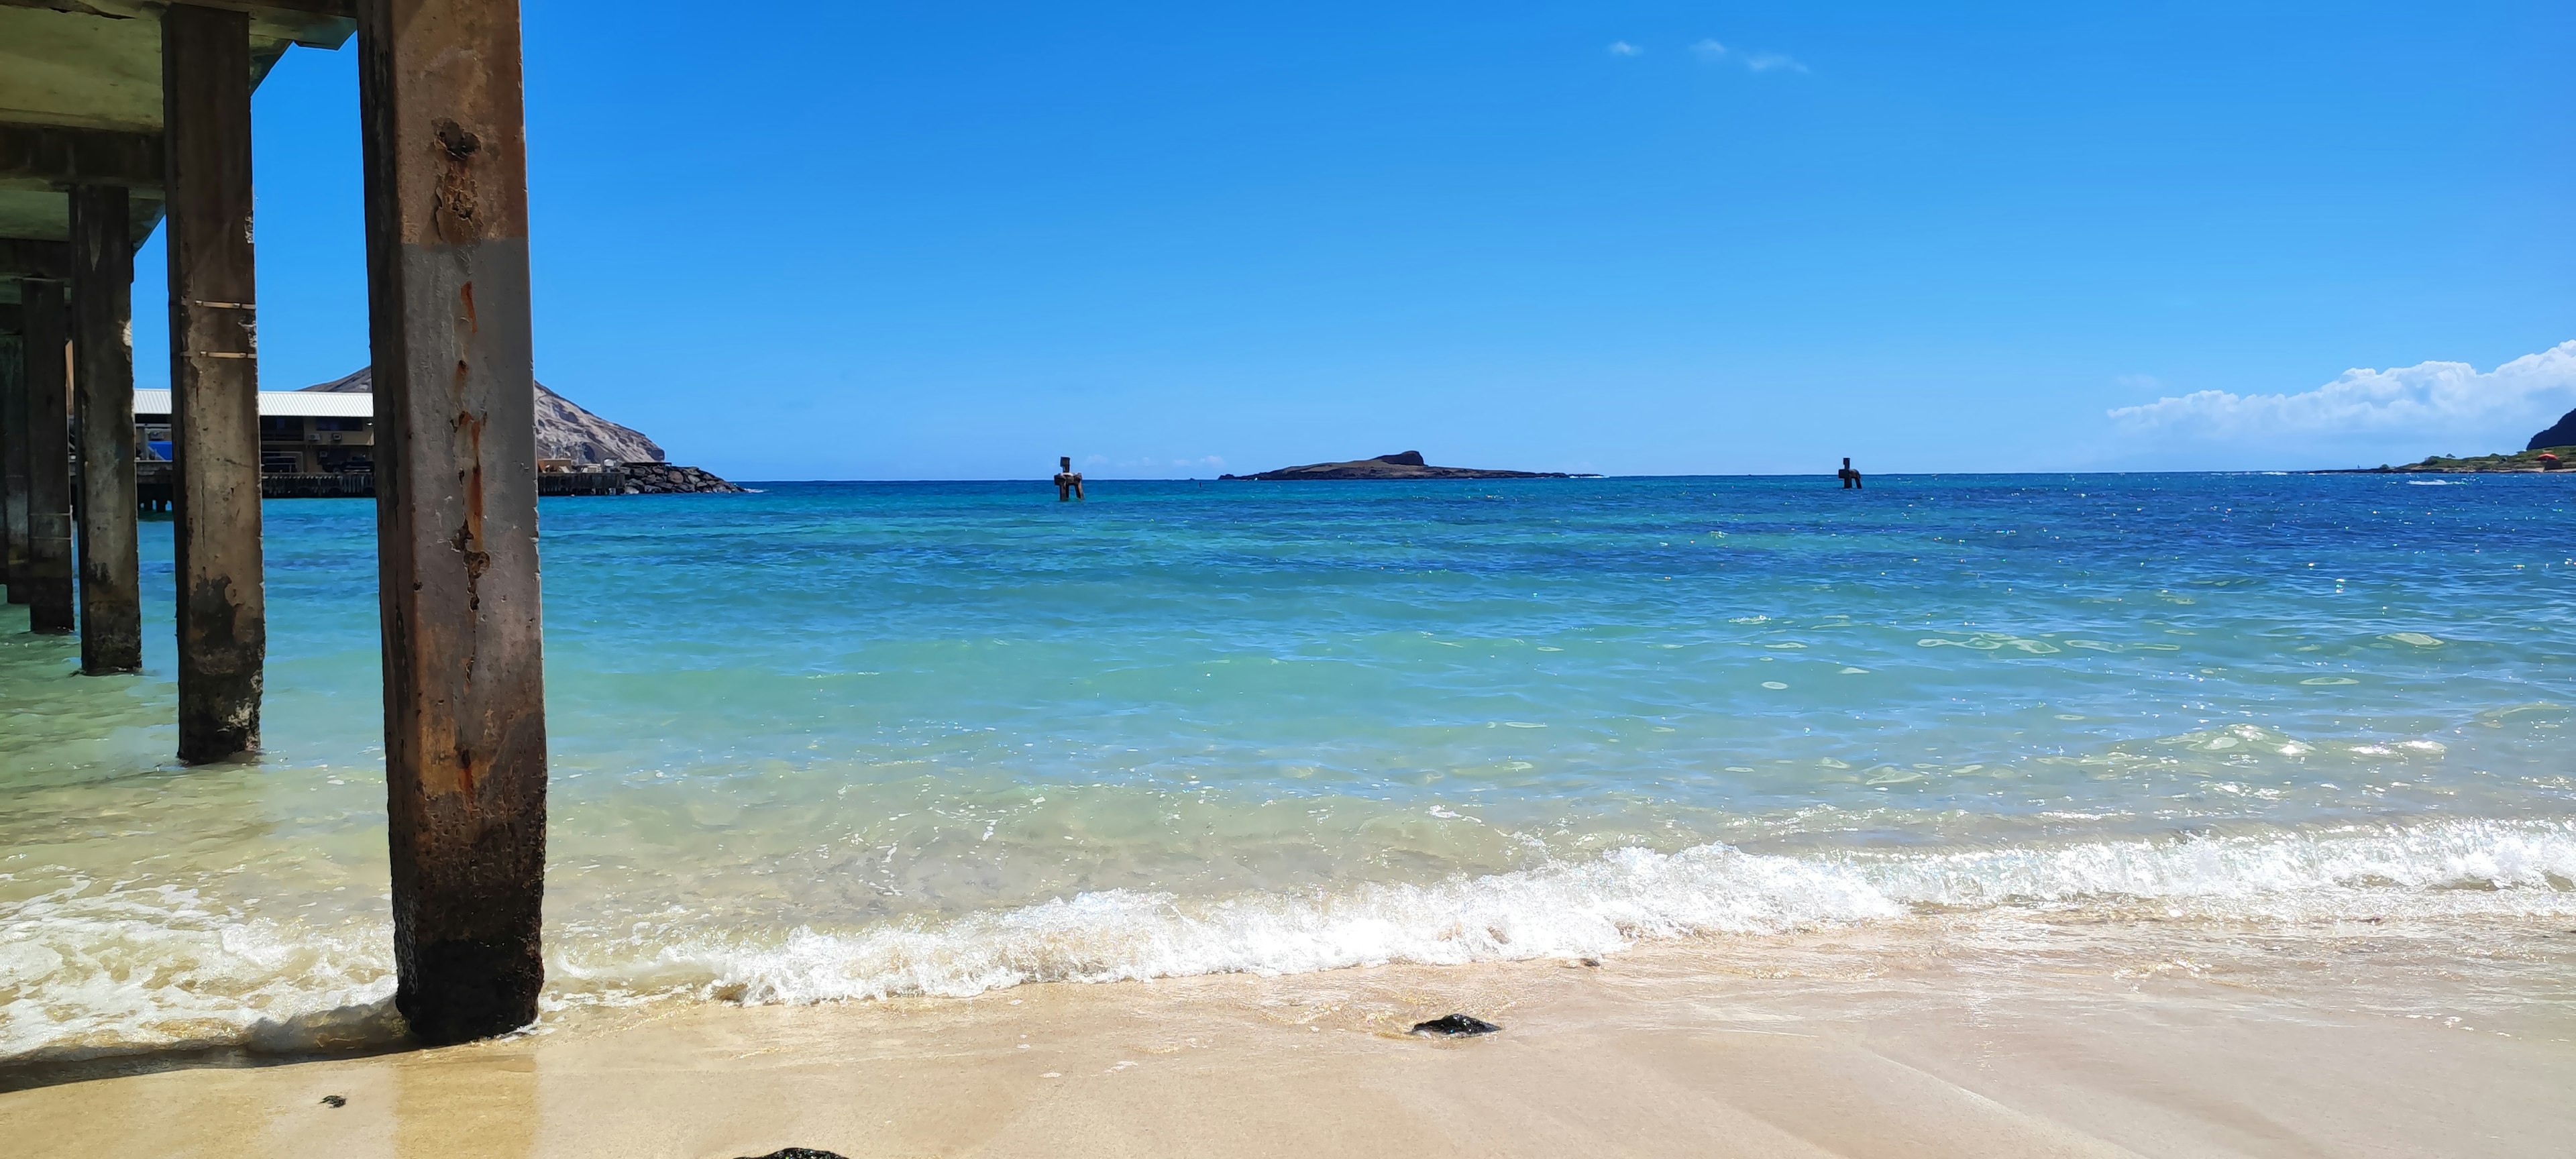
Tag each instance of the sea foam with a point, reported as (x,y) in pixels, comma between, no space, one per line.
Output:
(139,968)
(2451,868)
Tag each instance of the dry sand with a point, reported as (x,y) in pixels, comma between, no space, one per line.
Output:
(1826,1045)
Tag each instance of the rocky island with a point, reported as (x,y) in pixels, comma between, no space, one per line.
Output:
(2553,449)
(1401,465)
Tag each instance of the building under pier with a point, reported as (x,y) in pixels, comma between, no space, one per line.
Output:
(117,116)
(322,445)
(300,433)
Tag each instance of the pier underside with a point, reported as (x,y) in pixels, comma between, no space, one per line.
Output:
(118,117)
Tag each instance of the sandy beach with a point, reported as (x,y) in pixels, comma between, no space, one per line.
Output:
(1882,637)
(1974,1039)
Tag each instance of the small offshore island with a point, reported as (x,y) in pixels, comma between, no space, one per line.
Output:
(2553,449)
(1401,465)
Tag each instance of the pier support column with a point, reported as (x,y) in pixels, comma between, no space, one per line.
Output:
(13,456)
(46,581)
(214,381)
(444,133)
(111,587)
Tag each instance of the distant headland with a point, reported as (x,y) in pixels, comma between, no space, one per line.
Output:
(2553,449)
(573,441)
(1401,465)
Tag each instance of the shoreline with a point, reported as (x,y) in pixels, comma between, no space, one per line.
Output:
(1967,1040)
(223,981)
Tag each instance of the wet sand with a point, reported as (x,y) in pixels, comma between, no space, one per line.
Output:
(2333,1042)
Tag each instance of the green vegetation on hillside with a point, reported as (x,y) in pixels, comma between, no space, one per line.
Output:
(2558,459)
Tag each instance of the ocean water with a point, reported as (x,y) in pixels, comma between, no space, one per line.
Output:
(856,740)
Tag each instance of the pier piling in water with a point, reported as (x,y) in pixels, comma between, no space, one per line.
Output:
(214,381)
(13,450)
(111,585)
(46,374)
(90,156)
(444,132)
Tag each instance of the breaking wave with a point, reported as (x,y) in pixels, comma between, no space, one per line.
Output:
(141,967)
(2464,868)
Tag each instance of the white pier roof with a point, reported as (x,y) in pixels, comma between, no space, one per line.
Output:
(279,404)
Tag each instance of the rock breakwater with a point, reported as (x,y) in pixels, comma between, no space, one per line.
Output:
(665,479)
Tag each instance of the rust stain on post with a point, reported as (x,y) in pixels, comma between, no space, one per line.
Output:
(456,499)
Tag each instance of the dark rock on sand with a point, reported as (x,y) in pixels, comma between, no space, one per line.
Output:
(2561,435)
(335,1100)
(1455,1026)
(796,1153)
(1401,465)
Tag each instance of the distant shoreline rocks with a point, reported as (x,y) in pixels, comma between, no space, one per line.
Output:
(1401,465)
(2552,450)
(2550,461)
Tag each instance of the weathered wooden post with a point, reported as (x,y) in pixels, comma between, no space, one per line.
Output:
(214,380)
(47,578)
(13,453)
(111,587)
(444,132)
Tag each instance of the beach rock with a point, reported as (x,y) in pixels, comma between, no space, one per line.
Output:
(335,1100)
(796,1153)
(1455,1026)
(1400,465)
(2561,435)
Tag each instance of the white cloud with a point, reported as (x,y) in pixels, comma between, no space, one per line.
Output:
(1712,50)
(1622,48)
(2489,409)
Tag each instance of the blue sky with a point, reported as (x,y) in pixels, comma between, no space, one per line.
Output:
(955,241)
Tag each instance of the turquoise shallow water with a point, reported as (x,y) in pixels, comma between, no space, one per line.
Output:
(839,740)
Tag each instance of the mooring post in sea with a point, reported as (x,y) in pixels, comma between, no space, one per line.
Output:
(214,380)
(444,134)
(111,584)
(46,580)
(13,446)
